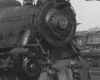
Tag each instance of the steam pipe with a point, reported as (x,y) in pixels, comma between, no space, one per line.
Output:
(25,38)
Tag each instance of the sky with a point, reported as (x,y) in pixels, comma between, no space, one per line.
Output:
(87,13)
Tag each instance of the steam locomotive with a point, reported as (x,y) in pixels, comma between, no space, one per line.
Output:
(36,42)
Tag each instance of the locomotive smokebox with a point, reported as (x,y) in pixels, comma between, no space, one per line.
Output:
(57,24)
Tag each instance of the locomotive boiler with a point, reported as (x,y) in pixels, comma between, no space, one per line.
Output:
(36,42)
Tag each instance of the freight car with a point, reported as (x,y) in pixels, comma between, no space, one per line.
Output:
(89,44)
(87,41)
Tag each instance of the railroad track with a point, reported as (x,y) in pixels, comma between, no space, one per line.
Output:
(94,73)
